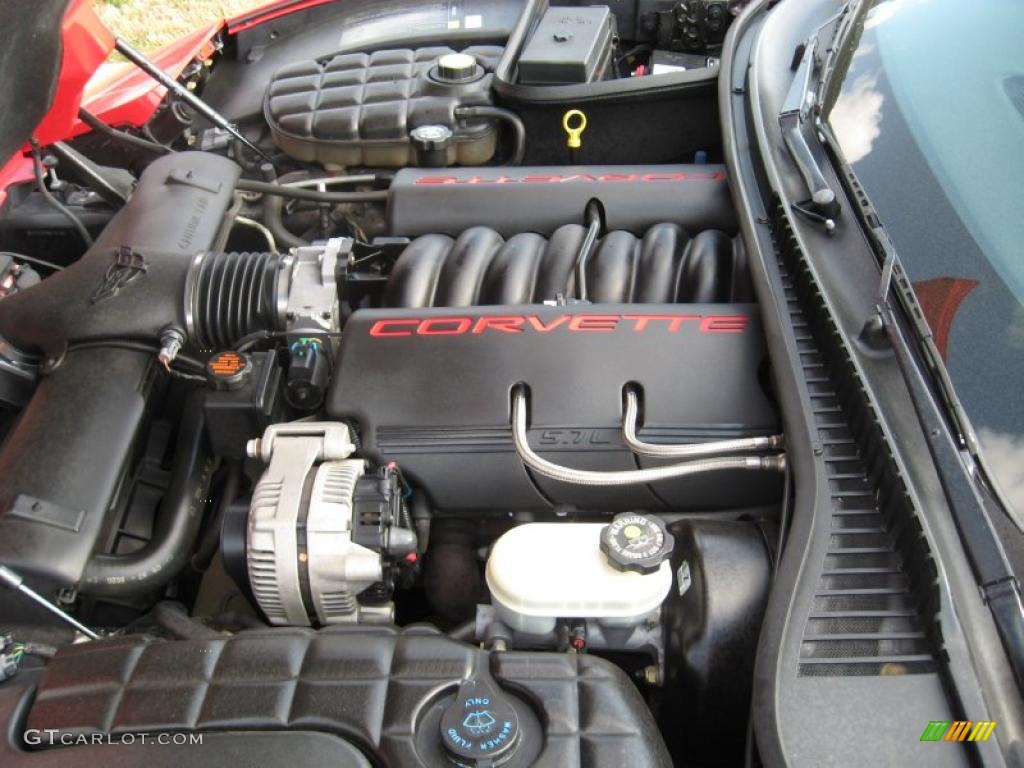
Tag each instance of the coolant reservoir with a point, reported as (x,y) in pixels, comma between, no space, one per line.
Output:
(540,572)
(367,108)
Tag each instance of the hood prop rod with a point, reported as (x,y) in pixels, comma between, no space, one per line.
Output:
(179,90)
(13,580)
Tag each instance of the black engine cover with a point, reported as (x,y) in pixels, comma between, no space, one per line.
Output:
(431,388)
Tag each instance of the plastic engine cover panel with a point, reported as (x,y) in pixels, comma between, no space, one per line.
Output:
(378,688)
(431,388)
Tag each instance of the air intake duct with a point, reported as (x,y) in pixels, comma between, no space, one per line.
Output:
(130,283)
(230,295)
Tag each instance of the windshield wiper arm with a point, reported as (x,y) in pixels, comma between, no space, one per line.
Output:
(798,108)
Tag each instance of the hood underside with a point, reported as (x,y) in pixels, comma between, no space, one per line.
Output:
(30,61)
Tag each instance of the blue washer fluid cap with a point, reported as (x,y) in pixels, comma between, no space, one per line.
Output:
(481,727)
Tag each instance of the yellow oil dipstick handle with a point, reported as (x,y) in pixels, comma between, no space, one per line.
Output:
(574,123)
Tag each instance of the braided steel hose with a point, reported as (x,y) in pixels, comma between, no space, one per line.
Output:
(689,451)
(776,463)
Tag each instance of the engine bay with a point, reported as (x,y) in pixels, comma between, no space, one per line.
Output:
(455,352)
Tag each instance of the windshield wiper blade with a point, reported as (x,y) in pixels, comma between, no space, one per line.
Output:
(996,580)
(846,26)
(891,285)
(968,503)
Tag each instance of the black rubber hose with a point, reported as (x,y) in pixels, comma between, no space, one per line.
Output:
(315,195)
(125,138)
(37,166)
(177,523)
(272,205)
(283,238)
(518,129)
(174,618)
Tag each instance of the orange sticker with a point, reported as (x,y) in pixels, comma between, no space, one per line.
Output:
(227,364)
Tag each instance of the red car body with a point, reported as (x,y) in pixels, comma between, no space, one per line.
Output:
(122,94)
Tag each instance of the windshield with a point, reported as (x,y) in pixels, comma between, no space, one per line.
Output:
(930,116)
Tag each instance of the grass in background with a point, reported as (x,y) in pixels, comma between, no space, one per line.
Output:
(150,24)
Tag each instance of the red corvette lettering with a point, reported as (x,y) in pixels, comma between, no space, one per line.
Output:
(673,322)
(386,327)
(538,325)
(723,324)
(504,323)
(598,323)
(569,323)
(444,326)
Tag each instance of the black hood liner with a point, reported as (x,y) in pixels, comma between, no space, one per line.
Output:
(29,66)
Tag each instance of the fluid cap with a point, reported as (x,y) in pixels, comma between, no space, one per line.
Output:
(481,727)
(431,136)
(635,542)
(456,68)
(431,143)
(228,370)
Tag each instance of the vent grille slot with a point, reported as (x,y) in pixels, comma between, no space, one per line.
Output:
(263,576)
(337,605)
(874,605)
(340,481)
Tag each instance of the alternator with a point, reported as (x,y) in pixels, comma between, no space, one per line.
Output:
(320,530)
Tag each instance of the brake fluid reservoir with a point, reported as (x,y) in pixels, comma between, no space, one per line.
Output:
(616,574)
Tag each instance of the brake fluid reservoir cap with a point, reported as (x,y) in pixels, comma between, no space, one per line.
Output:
(636,542)
(481,727)
(456,68)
